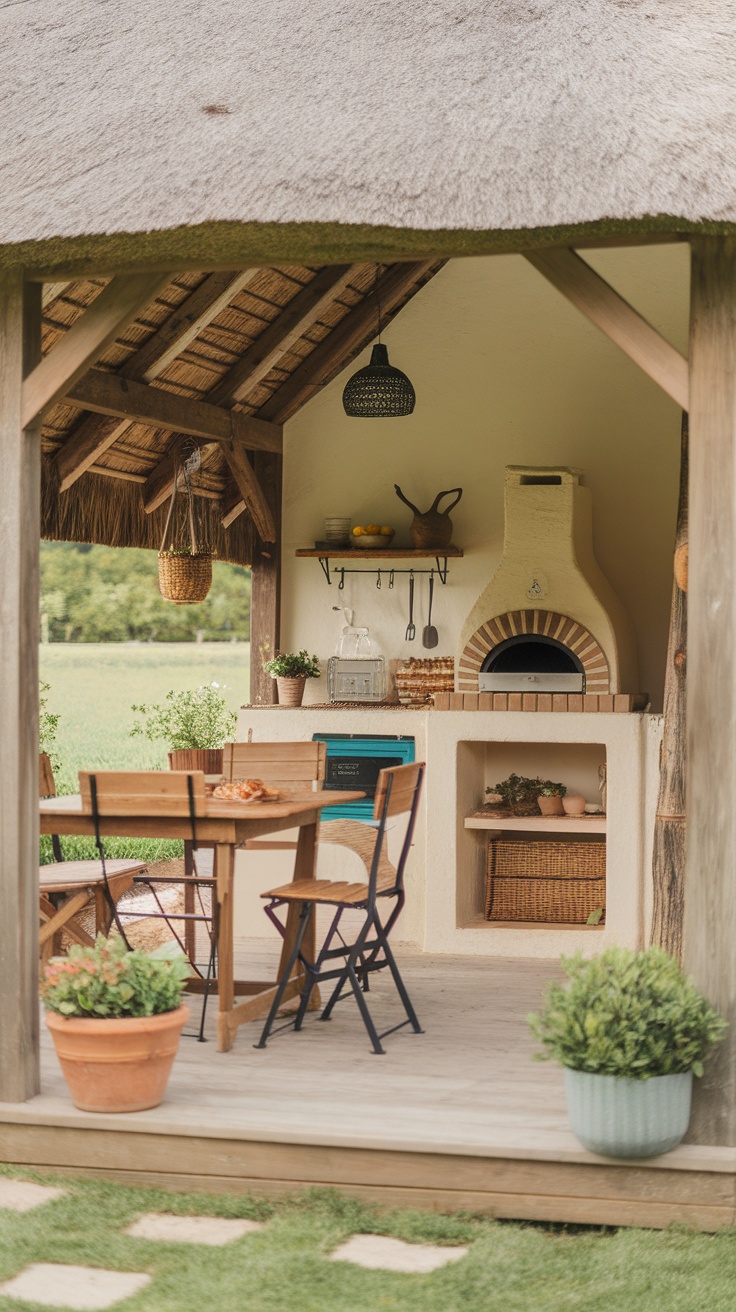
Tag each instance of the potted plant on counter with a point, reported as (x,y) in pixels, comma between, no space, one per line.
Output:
(291,671)
(116,1018)
(517,794)
(631,1031)
(195,725)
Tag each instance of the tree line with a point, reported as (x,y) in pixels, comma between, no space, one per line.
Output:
(110,594)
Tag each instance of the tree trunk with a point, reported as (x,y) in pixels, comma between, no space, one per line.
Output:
(668,860)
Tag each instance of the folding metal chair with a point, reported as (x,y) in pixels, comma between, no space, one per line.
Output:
(397,793)
(150,793)
(70,888)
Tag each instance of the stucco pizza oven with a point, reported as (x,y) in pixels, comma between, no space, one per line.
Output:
(548,620)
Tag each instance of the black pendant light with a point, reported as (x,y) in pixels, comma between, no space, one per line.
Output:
(379,391)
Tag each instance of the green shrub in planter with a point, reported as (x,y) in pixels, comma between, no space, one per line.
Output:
(631,1030)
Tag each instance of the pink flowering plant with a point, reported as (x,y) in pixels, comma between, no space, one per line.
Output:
(108,980)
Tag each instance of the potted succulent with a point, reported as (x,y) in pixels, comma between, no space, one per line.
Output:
(195,724)
(291,671)
(631,1030)
(517,794)
(116,1018)
(550,798)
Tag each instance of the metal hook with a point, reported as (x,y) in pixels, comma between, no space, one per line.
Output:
(378,579)
(391,579)
(341,584)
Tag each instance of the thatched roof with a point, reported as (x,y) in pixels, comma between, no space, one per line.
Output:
(140,118)
(265,340)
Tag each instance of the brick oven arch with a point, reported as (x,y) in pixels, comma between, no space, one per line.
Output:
(548,624)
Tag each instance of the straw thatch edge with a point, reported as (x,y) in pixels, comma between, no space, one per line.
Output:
(110,512)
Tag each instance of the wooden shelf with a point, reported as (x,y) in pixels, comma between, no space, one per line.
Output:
(544,824)
(381,553)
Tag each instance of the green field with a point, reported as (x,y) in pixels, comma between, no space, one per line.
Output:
(94,685)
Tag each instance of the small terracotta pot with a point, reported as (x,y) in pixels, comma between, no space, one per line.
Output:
(573,804)
(291,691)
(551,805)
(196,758)
(120,1064)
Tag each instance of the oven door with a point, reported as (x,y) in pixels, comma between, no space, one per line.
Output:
(527,682)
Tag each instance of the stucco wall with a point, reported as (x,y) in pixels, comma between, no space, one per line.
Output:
(506,372)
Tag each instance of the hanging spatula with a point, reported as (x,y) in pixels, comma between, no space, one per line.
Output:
(430,636)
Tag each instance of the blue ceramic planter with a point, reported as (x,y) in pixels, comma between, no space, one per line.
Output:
(628,1118)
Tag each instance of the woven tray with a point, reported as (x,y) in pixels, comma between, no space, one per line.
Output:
(418,679)
(553,883)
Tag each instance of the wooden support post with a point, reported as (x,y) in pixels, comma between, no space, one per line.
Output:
(265,586)
(710,882)
(20,530)
(668,857)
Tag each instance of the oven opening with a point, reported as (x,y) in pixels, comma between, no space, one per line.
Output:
(531,663)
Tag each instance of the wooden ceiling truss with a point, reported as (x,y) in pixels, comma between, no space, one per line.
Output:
(132,368)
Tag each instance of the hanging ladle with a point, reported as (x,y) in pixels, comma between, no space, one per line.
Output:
(430,636)
(411,628)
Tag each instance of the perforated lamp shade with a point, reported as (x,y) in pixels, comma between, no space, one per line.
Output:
(379,391)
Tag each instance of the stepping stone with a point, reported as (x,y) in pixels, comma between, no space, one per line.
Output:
(80,1287)
(380,1253)
(23,1196)
(167,1229)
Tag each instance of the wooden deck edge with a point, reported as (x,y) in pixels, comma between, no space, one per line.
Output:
(688,1157)
(589,1193)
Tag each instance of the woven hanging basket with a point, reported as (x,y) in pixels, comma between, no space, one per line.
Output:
(183,577)
(184,580)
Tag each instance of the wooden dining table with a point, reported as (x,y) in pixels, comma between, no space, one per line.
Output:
(225,826)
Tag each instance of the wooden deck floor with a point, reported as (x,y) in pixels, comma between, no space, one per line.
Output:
(460,1117)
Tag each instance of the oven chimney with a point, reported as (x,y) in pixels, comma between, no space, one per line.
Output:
(549,585)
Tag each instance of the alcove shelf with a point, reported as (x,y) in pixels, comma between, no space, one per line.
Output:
(563,824)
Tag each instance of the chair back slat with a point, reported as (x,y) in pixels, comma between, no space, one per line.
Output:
(46,782)
(143,792)
(298,766)
(397,793)
(404,779)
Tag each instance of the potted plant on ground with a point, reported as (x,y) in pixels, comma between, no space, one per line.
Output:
(195,724)
(631,1030)
(550,798)
(291,671)
(116,1018)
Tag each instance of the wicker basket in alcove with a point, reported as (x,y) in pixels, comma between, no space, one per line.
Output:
(552,883)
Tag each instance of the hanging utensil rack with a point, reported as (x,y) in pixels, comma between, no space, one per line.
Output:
(440,567)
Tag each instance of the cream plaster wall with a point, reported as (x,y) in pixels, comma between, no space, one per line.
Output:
(506,372)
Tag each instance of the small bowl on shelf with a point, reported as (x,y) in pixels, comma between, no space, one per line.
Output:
(371,541)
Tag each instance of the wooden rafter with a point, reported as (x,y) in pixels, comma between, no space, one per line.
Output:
(115,307)
(616,318)
(109,394)
(280,336)
(345,341)
(95,435)
(250,491)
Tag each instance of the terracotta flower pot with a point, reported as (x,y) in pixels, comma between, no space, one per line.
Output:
(551,805)
(196,758)
(291,691)
(120,1064)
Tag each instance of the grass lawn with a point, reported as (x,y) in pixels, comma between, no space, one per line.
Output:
(284,1268)
(94,685)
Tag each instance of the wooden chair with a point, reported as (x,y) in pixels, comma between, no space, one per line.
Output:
(69,888)
(397,793)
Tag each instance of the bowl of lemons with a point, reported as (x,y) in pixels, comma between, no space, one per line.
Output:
(370,536)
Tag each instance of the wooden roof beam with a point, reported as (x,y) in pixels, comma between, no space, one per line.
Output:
(617,319)
(109,394)
(280,336)
(93,435)
(108,315)
(345,341)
